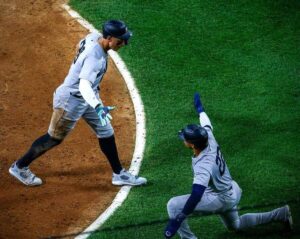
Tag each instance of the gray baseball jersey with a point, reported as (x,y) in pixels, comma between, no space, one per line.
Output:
(90,64)
(221,194)
(210,169)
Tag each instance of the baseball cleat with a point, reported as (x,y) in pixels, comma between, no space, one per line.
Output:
(126,178)
(24,175)
(289,220)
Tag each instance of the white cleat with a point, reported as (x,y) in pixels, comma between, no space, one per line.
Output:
(126,178)
(24,175)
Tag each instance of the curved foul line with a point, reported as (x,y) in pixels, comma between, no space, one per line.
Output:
(140,129)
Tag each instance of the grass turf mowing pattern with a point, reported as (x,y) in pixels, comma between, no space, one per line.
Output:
(243,57)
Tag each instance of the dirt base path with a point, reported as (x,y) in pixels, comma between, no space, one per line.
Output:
(38,39)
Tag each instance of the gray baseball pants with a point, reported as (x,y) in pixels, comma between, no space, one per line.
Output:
(225,205)
(68,109)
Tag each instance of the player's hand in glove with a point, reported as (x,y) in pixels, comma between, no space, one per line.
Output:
(103,113)
(198,104)
(174,225)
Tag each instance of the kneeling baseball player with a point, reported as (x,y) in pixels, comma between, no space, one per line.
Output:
(78,96)
(214,190)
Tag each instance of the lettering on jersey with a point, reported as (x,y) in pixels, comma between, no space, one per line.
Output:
(220,161)
(80,50)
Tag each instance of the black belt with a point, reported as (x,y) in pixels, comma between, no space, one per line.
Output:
(76,95)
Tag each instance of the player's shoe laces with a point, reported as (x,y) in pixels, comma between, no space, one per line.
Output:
(289,220)
(24,175)
(126,178)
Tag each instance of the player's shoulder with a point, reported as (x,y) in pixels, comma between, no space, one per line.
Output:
(93,49)
(91,40)
(204,160)
(203,164)
(93,36)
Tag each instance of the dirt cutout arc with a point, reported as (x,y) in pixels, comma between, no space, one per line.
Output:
(39,40)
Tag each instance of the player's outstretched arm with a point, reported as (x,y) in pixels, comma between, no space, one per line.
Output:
(203,118)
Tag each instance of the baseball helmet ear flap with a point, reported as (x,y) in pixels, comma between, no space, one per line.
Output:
(117,29)
(194,134)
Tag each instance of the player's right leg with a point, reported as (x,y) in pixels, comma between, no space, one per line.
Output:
(20,169)
(60,126)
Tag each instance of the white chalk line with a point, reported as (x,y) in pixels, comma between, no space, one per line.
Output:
(140,130)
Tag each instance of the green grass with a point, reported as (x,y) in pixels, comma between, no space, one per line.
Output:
(243,56)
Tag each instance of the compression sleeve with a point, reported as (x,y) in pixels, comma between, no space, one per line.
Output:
(194,199)
(87,93)
(204,120)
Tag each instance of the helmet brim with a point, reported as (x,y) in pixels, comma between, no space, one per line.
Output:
(126,35)
(181,135)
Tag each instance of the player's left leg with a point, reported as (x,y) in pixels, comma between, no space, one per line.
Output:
(233,221)
(106,138)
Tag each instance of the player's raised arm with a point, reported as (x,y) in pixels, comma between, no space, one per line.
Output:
(203,118)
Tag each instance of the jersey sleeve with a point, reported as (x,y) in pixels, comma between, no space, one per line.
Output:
(204,120)
(89,69)
(202,173)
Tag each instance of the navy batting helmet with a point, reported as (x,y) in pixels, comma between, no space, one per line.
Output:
(117,29)
(194,134)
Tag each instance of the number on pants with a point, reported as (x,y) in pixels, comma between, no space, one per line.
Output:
(220,161)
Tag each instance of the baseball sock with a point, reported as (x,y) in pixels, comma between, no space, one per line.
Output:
(109,148)
(39,147)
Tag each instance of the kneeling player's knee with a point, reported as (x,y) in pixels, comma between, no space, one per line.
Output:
(172,206)
(234,226)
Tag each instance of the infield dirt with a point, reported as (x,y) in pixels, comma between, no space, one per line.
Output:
(38,41)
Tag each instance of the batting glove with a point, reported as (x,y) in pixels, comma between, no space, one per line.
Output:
(174,225)
(198,104)
(103,113)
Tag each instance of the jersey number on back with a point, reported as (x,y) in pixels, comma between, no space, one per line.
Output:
(220,161)
(80,50)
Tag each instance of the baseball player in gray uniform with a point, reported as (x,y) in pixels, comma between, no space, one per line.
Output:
(78,96)
(213,190)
